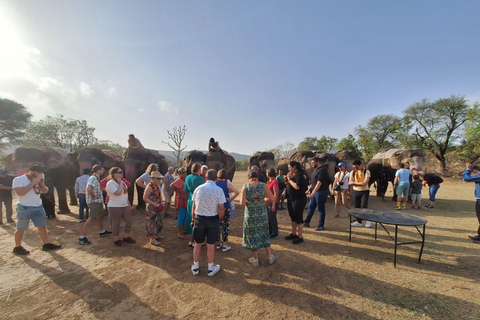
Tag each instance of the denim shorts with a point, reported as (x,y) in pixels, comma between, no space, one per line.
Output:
(25,214)
(403,189)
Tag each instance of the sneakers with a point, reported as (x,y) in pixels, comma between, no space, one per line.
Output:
(475,238)
(404,208)
(195,271)
(19,251)
(297,240)
(319,228)
(398,208)
(291,237)
(191,244)
(226,248)
(104,234)
(252,261)
(356,224)
(83,241)
(50,246)
(428,206)
(214,271)
(119,243)
(80,220)
(129,240)
(219,246)
(273,237)
(272,259)
(368,224)
(306,224)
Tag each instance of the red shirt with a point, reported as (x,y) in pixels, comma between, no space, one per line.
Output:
(181,198)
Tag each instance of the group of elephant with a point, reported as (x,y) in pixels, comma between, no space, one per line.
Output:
(63,168)
(389,159)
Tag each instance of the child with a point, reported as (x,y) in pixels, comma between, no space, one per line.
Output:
(416,192)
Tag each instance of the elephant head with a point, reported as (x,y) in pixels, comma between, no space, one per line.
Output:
(263,160)
(88,157)
(346,156)
(220,160)
(194,156)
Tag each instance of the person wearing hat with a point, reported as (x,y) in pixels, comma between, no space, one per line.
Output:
(28,188)
(341,188)
(154,210)
(6,195)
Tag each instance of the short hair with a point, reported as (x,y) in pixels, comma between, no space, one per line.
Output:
(357,162)
(222,174)
(86,171)
(271,172)
(152,167)
(416,177)
(96,168)
(296,165)
(402,165)
(212,175)
(112,171)
(196,166)
(170,168)
(255,168)
(252,175)
(182,170)
(204,166)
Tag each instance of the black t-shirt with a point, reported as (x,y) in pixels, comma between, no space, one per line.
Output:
(294,194)
(7,182)
(262,178)
(320,174)
(432,179)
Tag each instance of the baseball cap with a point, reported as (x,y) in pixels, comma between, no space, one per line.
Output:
(3,170)
(342,164)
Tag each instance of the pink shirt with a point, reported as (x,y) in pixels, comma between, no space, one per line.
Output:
(272,186)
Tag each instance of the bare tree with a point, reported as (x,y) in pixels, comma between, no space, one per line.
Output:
(176,136)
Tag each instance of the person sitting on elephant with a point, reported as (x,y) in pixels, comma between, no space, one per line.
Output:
(80,189)
(214,146)
(134,143)
(154,210)
(402,186)
(191,183)
(360,191)
(119,208)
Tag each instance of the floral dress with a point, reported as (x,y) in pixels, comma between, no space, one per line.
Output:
(154,215)
(255,223)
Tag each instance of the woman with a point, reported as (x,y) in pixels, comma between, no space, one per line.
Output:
(154,211)
(341,189)
(433,182)
(255,223)
(181,200)
(360,190)
(191,183)
(227,187)
(118,206)
(272,206)
(296,200)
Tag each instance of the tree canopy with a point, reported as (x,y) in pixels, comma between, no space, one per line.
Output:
(14,119)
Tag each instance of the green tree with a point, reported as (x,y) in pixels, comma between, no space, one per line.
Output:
(309,143)
(349,143)
(280,150)
(438,125)
(61,132)
(241,165)
(380,133)
(326,144)
(14,119)
(177,136)
(109,145)
(470,148)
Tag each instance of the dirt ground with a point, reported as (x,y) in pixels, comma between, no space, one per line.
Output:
(326,277)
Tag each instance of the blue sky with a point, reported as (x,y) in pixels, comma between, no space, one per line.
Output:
(252,74)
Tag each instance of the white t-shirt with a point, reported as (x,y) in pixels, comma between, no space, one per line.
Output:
(116,201)
(30,199)
(147,179)
(345,179)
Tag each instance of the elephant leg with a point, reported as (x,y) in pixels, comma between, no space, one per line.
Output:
(62,201)
(131,191)
(73,198)
(141,203)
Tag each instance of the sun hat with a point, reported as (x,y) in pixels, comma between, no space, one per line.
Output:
(155,174)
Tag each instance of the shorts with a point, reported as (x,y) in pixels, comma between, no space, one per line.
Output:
(295,210)
(206,227)
(26,213)
(416,196)
(96,210)
(403,189)
(167,197)
(182,215)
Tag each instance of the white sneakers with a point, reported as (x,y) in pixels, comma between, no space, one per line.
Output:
(368,224)
(214,271)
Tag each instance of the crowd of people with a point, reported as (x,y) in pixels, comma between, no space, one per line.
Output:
(204,203)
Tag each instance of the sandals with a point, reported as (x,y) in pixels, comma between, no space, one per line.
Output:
(155,242)
(182,237)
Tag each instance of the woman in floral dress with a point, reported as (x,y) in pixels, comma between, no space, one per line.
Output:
(154,210)
(255,223)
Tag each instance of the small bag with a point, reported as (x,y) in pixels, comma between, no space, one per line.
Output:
(337,187)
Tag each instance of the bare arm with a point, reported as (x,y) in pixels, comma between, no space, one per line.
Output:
(221,211)
(268,193)
(140,182)
(21,191)
(243,197)
(120,188)
(233,190)
(146,195)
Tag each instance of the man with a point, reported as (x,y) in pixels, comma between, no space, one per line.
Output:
(318,191)
(28,188)
(134,143)
(80,189)
(261,176)
(359,189)
(402,186)
(95,203)
(207,211)
(468,177)
(167,190)
(6,195)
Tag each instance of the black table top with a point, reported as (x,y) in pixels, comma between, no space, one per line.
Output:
(387,217)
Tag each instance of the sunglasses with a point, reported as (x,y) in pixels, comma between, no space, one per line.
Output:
(119,172)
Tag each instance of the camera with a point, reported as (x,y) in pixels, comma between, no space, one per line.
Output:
(340,183)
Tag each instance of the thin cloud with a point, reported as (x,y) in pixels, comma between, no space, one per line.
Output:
(111,92)
(85,90)
(167,107)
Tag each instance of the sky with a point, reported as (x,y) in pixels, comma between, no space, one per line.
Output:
(251,74)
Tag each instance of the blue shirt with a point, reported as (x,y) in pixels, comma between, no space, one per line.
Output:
(403,175)
(475,178)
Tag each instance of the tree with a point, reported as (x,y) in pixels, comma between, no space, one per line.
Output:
(282,149)
(241,165)
(61,132)
(109,145)
(309,143)
(348,143)
(436,125)
(14,119)
(177,135)
(470,149)
(325,144)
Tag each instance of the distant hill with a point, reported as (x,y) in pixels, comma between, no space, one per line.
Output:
(171,158)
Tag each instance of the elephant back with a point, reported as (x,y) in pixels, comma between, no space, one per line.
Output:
(194,156)
(218,160)
(347,157)
(51,158)
(263,160)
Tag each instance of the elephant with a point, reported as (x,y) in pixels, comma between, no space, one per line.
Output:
(263,160)
(391,158)
(213,159)
(88,157)
(347,157)
(304,157)
(57,165)
(136,162)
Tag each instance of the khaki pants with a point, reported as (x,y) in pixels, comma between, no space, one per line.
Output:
(341,198)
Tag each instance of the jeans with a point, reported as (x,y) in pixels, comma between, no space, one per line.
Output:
(360,199)
(272,220)
(319,199)
(82,201)
(433,191)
